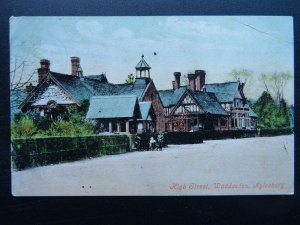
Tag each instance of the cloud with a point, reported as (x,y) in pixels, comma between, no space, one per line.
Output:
(199,27)
(89,29)
(123,33)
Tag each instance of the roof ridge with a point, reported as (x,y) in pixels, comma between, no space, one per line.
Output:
(227,82)
(183,86)
(64,74)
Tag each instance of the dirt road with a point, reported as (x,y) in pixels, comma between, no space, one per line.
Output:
(261,165)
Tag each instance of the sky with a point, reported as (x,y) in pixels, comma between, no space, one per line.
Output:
(114,45)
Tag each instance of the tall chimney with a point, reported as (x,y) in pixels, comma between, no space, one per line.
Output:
(191,78)
(44,69)
(177,79)
(200,79)
(173,84)
(74,62)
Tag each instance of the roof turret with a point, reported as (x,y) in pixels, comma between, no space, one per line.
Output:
(142,66)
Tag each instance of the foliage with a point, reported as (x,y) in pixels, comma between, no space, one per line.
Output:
(83,107)
(269,114)
(32,152)
(283,114)
(227,134)
(23,127)
(242,75)
(18,116)
(179,138)
(130,79)
(34,125)
(43,123)
(76,114)
(69,128)
(275,132)
(276,83)
(265,109)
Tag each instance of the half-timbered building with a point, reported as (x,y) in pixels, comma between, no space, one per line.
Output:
(55,91)
(199,105)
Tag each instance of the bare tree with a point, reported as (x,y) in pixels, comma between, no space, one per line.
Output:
(276,82)
(264,79)
(19,79)
(242,75)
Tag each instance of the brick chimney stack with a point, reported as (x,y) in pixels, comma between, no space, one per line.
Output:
(74,63)
(200,79)
(177,79)
(44,69)
(191,78)
(173,85)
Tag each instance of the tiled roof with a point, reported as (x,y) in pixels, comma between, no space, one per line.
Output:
(102,107)
(171,97)
(97,85)
(77,87)
(145,109)
(251,112)
(209,103)
(225,92)
(101,77)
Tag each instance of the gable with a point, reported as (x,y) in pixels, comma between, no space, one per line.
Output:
(51,93)
(187,105)
(209,103)
(171,97)
(151,94)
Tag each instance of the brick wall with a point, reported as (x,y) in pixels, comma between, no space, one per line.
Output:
(153,96)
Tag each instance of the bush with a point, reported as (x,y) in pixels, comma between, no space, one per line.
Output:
(66,128)
(23,127)
(184,137)
(32,152)
(43,123)
(275,132)
(226,134)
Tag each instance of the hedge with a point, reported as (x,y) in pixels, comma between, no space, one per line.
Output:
(275,132)
(32,152)
(178,138)
(170,138)
(225,134)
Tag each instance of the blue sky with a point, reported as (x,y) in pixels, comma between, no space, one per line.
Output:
(114,45)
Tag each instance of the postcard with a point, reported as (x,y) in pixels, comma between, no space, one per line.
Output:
(152,105)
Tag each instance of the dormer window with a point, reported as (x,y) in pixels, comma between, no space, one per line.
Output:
(237,103)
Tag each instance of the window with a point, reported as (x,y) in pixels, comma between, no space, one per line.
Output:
(223,122)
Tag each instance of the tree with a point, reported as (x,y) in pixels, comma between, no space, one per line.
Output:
(242,75)
(269,114)
(276,83)
(130,79)
(265,109)
(283,115)
(23,127)
(20,77)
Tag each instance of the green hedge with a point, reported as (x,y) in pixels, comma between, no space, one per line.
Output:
(216,135)
(275,132)
(178,138)
(32,152)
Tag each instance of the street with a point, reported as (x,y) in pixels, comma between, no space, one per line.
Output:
(262,165)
